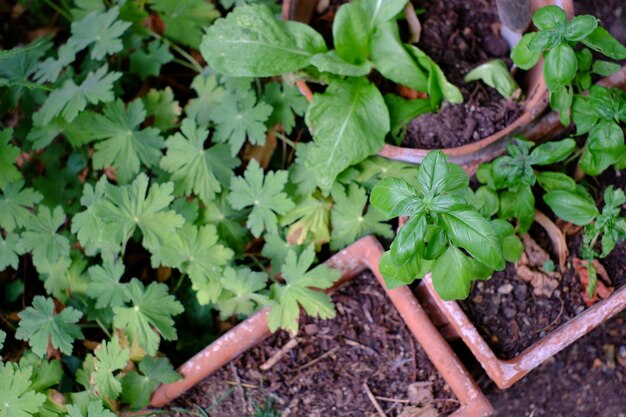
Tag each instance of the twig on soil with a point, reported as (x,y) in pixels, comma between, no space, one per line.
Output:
(241,384)
(368,349)
(401,401)
(372,399)
(273,360)
(316,360)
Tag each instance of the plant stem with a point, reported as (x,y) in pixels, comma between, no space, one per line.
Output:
(179,283)
(196,66)
(104,329)
(59,10)
(285,139)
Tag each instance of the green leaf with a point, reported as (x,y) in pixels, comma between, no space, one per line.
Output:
(250,42)
(105,285)
(238,118)
(488,201)
(228,222)
(495,74)
(560,66)
(605,68)
(351,34)
(519,204)
(551,181)
(241,292)
(410,240)
(8,157)
(122,144)
(381,11)
(602,41)
(580,27)
(15,205)
(133,206)
(94,409)
(432,173)
(210,95)
(571,207)
(195,251)
(398,275)
(438,87)
(349,221)
(110,357)
(298,290)
(46,373)
(523,55)
(3,337)
(333,63)
(195,169)
(38,324)
(17,399)
(549,17)
(551,152)
(349,123)
(452,275)
(395,197)
(100,29)
(149,316)
(470,231)
(149,62)
(264,193)
(77,132)
(286,102)
(512,248)
(41,237)
(70,99)
(161,105)
(309,222)
(605,146)
(137,388)
(185,19)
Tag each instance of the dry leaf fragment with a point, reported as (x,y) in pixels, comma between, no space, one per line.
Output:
(529,268)
(603,287)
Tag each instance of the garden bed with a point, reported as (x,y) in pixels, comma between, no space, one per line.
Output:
(324,370)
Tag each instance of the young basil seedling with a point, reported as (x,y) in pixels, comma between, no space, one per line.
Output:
(445,235)
(514,174)
(555,41)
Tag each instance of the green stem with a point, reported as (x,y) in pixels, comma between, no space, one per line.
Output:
(285,139)
(59,10)
(184,63)
(196,66)
(179,283)
(104,329)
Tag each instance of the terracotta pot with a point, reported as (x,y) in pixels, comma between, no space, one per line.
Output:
(471,155)
(360,256)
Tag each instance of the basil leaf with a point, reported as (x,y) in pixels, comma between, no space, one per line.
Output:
(351,34)
(551,152)
(560,66)
(571,207)
(453,273)
(549,17)
(583,114)
(349,123)
(605,68)
(436,245)
(432,173)
(397,275)
(395,197)
(457,181)
(522,55)
(490,203)
(551,181)
(469,230)
(602,41)
(496,75)
(520,205)
(410,240)
(605,146)
(580,27)
(333,63)
(512,248)
(250,42)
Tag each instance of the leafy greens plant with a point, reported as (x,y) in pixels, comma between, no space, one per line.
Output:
(351,118)
(445,234)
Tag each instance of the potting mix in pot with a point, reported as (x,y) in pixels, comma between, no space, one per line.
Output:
(163,176)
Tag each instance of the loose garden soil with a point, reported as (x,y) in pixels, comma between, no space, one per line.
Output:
(509,313)
(587,379)
(459,35)
(331,363)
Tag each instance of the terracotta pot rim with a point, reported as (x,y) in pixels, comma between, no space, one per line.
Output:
(353,260)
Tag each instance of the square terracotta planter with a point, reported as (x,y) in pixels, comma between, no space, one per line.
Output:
(355,259)
(451,317)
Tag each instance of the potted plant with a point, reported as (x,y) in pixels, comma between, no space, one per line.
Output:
(360,256)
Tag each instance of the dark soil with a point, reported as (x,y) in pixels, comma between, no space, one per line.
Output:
(460,35)
(508,314)
(324,375)
(588,379)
